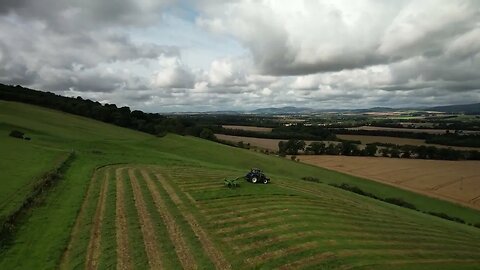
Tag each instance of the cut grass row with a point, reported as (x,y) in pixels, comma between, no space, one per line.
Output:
(160,234)
(269,231)
(370,233)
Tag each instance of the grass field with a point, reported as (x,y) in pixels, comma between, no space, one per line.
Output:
(183,217)
(456,181)
(34,160)
(132,199)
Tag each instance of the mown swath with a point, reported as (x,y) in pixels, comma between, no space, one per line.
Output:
(183,252)
(308,228)
(123,254)
(93,251)
(148,231)
(215,255)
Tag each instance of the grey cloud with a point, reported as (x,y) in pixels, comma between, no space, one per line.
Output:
(340,35)
(14,72)
(78,15)
(302,53)
(90,80)
(9,5)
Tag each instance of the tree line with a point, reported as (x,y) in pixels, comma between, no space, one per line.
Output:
(298,131)
(451,138)
(348,148)
(153,123)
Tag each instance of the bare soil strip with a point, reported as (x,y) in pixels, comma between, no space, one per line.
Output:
(66,257)
(93,251)
(181,248)
(123,256)
(280,253)
(146,225)
(213,253)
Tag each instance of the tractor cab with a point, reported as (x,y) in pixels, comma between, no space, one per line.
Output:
(257,176)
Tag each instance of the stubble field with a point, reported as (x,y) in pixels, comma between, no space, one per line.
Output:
(456,181)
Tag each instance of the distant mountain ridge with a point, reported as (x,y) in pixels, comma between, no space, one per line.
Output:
(462,108)
(283,110)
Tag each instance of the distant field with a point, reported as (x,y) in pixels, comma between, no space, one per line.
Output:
(456,181)
(365,139)
(249,128)
(413,130)
(270,144)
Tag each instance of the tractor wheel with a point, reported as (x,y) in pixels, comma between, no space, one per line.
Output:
(254,180)
(265,181)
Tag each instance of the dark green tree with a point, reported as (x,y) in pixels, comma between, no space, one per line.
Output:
(317,148)
(371,150)
(207,134)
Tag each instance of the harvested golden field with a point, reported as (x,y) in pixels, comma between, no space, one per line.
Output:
(249,128)
(269,144)
(365,139)
(413,130)
(455,181)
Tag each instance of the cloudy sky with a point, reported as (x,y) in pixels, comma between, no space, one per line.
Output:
(203,55)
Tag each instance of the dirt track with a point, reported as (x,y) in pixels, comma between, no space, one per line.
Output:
(455,181)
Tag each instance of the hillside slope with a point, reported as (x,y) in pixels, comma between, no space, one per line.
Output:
(284,224)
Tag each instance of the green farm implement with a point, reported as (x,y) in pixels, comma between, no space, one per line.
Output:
(233,183)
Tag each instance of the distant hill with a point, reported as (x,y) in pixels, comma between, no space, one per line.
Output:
(304,110)
(283,110)
(463,108)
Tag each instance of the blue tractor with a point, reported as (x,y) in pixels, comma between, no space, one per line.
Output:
(257,176)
